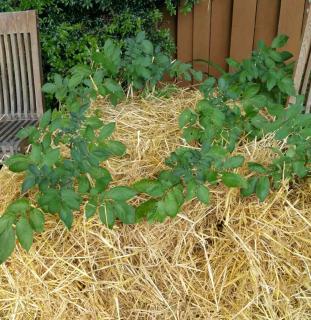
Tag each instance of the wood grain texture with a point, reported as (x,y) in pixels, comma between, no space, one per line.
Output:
(185,39)
(267,17)
(243,28)
(290,23)
(202,33)
(221,19)
(21,64)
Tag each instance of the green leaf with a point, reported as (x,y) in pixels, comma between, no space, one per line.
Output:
(251,90)
(300,169)
(150,187)
(107,214)
(251,187)
(6,221)
(262,188)
(233,63)
(35,154)
(186,117)
(24,233)
(49,88)
(145,208)
(36,219)
(116,148)
(256,167)
(121,193)
(106,131)
(45,120)
(7,243)
(19,206)
(66,216)
(203,194)
(233,180)
(90,210)
(171,205)
(28,183)
(51,157)
(234,162)
(26,132)
(18,163)
(71,199)
(286,85)
(83,184)
(279,41)
(125,212)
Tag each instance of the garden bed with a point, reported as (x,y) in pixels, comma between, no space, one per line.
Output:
(233,259)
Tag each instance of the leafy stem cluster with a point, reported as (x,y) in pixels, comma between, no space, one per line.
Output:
(66,164)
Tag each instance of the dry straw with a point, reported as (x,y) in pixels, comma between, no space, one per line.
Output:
(233,259)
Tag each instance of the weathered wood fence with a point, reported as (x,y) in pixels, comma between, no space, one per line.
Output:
(217,29)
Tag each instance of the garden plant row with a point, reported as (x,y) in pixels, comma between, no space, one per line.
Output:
(238,107)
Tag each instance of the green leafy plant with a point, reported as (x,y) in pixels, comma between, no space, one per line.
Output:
(71,29)
(66,164)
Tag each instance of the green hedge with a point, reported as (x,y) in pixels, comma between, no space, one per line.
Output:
(69,29)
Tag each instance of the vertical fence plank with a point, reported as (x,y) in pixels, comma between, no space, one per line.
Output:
(290,23)
(221,19)
(243,28)
(184,38)
(201,33)
(267,17)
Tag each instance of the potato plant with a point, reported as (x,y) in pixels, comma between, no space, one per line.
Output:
(66,164)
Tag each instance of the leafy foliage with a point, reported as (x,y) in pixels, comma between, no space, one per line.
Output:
(71,29)
(66,164)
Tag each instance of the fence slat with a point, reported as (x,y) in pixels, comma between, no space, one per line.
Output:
(221,19)
(202,33)
(267,17)
(243,28)
(290,23)
(185,38)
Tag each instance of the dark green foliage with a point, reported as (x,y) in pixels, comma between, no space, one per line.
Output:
(71,29)
(68,181)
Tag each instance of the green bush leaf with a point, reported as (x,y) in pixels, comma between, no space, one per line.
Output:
(90,210)
(251,187)
(6,221)
(262,188)
(300,169)
(186,117)
(107,214)
(83,184)
(125,212)
(233,180)
(66,216)
(145,208)
(51,157)
(120,193)
(234,162)
(203,194)
(7,243)
(106,131)
(28,183)
(115,148)
(171,205)
(256,167)
(279,41)
(18,163)
(36,218)
(71,199)
(24,233)
(151,187)
(19,206)
(45,120)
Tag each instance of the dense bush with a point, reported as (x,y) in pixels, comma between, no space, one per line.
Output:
(70,29)
(70,146)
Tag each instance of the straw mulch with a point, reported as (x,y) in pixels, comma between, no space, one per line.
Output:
(233,259)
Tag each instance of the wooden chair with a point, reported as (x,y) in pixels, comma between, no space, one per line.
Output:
(21,102)
(302,79)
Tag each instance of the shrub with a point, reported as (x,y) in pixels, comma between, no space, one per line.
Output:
(67,181)
(71,29)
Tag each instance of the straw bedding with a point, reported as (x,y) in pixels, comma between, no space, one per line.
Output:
(233,259)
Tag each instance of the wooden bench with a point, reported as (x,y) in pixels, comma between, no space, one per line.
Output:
(21,102)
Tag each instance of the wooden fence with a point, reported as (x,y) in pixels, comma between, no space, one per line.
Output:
(217,29)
